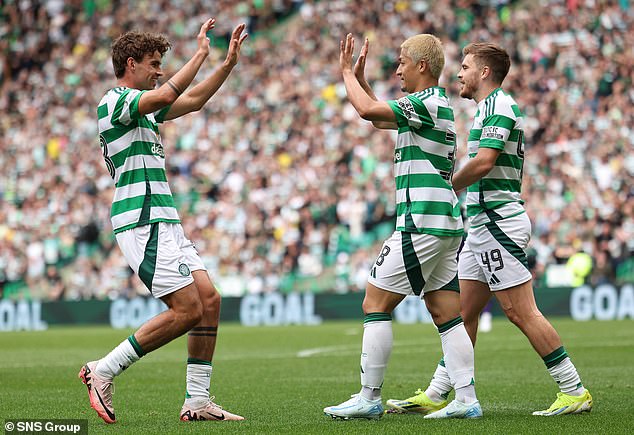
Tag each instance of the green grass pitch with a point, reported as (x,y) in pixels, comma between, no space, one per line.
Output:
(280,379)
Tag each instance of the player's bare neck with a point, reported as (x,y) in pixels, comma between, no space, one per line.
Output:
(485,90)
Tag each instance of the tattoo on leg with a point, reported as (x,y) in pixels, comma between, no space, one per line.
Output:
(203,331)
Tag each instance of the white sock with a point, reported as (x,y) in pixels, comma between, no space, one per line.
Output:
(440,384)
(459,359)
(375,353)
(198,379)
(566,376)
(119,359)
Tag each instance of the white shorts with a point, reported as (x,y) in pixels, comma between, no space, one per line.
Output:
(416,263)
(161,255)
(494,253)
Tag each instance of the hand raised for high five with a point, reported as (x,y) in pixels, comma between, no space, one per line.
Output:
(345,54)
(237,38)
(203,40)
(359,66)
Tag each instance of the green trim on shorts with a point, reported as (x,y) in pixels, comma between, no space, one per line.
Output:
(452,285)
(147,268)
(412,264)
(507,243)
(448,325)
(555,357)
(377,317)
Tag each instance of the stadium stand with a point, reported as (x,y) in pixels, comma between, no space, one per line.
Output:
(278,183)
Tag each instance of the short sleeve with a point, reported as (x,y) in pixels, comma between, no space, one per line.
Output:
(412,112)
(126,109)
(495,131)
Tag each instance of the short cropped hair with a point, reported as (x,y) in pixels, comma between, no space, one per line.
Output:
(428,48)
(136,45)
(491,55)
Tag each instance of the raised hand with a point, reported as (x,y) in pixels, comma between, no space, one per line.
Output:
(237,38)
(203,40)
(359,66)
(345,55)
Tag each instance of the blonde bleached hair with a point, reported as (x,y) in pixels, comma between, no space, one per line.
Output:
(428,48)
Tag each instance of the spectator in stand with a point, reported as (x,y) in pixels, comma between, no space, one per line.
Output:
(260,149)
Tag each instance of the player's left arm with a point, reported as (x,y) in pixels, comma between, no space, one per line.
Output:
(195,98)
(366,107)
(496,129)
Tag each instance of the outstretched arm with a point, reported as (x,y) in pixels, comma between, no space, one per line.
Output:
(359,73)
(167,94)
(366,107)
(195,98)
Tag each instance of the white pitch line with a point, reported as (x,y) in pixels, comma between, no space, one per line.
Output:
(306,353)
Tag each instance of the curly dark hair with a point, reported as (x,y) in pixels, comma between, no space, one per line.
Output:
(136,45)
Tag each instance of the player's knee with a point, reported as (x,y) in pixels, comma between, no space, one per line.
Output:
(469,317)
(212,303)
(438,315)
(194,314)
(515,316)
(211,306)
(369,306)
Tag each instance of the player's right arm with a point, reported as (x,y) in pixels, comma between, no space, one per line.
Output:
(366,107)
(168,93)
(359,73)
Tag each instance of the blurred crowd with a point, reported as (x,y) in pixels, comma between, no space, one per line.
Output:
(278,182)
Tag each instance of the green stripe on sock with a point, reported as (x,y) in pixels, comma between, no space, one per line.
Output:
(187,395)
(377,317)
(450,324)
(555,357)
(137,347)
(198,361)
(442,362)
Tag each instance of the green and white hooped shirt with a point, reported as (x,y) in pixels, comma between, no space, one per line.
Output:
(423,164)
(134,155)
(497,124)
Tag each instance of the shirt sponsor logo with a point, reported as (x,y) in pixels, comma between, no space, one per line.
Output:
(157,150)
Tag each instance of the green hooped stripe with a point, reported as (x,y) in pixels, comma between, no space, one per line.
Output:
(148,265)
(137,347)
(442,362)
(448,325)
(377,317)
(555,357)
(198,361)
